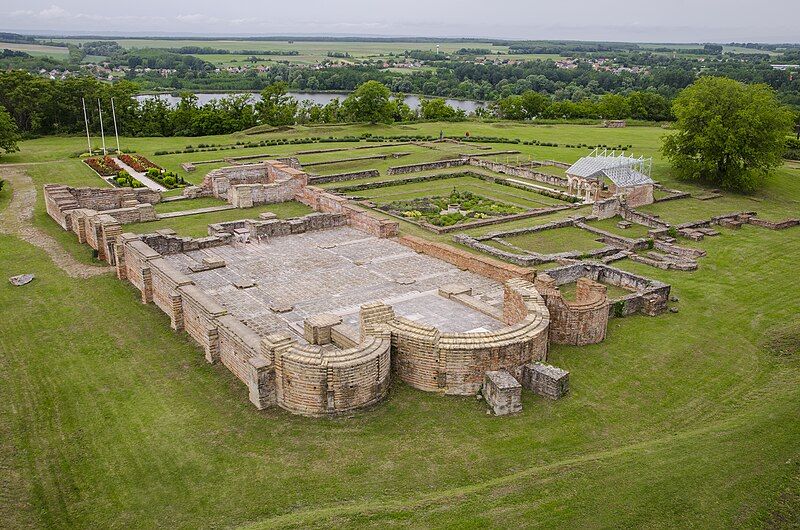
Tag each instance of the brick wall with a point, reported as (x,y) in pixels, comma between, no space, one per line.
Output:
(581,322)
(455,363)
(494,269)
(521,172)
(427,166)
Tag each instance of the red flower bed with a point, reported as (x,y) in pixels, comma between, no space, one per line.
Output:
(105,166)
(138,162)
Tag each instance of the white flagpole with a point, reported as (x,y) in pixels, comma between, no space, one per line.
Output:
(102,134)
(114,114)
(86,121)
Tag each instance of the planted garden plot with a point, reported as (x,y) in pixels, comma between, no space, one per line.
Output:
(457,207)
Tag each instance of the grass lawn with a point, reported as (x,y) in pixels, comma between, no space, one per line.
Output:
(610,225)
(127,424)
(5,195)
(556,240)
(498,192)
(188,204)
(109,419)
(197,225)
(570,290)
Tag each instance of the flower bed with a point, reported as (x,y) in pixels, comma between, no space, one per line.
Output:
(138,162)
(104,166)
(168,179)
(124,179)
(458,207)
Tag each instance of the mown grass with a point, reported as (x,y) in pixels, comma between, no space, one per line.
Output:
(109,419)
(434,188)
(556,240)
(197,225)
(188,204)
(128,425)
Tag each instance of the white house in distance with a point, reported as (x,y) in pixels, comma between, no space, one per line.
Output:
(603,175)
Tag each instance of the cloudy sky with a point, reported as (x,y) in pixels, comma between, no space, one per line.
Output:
(620,20)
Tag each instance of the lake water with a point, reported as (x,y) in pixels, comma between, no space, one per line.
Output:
(319,98)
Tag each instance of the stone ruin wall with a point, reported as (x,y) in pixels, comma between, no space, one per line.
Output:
(578,323)
(311,383)
(488,267)
(650,297)
(427,166)
(455,363)
(521,172)
(638,195)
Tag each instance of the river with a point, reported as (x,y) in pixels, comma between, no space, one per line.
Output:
(319,98)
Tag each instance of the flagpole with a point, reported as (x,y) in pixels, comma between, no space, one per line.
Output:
(86,121)
(114,114)
(102,134)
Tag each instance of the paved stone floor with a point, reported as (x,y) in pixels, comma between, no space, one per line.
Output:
(336,271)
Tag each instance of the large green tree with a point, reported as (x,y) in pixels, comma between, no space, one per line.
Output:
(276,106)
(369,103)
(8,132)
(729,134)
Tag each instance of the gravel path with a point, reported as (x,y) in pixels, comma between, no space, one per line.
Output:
(17,219)
(141,177)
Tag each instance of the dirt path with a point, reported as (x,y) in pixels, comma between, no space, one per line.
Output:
(17,220)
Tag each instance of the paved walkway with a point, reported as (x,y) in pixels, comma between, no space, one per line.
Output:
(17,220)
(141,177)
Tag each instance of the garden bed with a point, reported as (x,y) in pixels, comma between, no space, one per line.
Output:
(455,208)
(105,166)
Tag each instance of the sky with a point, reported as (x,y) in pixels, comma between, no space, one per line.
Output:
(610,20)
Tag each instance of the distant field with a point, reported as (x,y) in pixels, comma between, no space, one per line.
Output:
(309,51)
(36,49)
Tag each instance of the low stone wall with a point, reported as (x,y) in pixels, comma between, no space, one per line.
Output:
(521,172)
(173,244)
(279,227)
(650,296)
(496,270)
(773,225)
(341,177)
(426,166)
(526,258)
(578,323)
(322,201)
(455,363)
(95,214)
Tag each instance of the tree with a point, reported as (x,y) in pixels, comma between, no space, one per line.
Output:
(729,134)
(276,106)
(8,132)
(438,109)
(369,103)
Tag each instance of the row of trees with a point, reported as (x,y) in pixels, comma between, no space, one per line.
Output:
(640,105)
(43,106)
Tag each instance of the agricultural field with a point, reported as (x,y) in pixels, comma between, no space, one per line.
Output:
(108,418)
(37,50)
(309,52)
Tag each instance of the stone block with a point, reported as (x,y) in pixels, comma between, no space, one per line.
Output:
(545,380)
(267,216)
(502,392)
(317,329)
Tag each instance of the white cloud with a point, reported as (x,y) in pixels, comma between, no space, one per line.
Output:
(53,11)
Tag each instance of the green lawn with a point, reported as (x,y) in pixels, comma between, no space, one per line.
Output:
(499,192)
(610,225)
(188,204)
(128,425)
(197,225)
(110,419)
(556,240)
(570,290)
